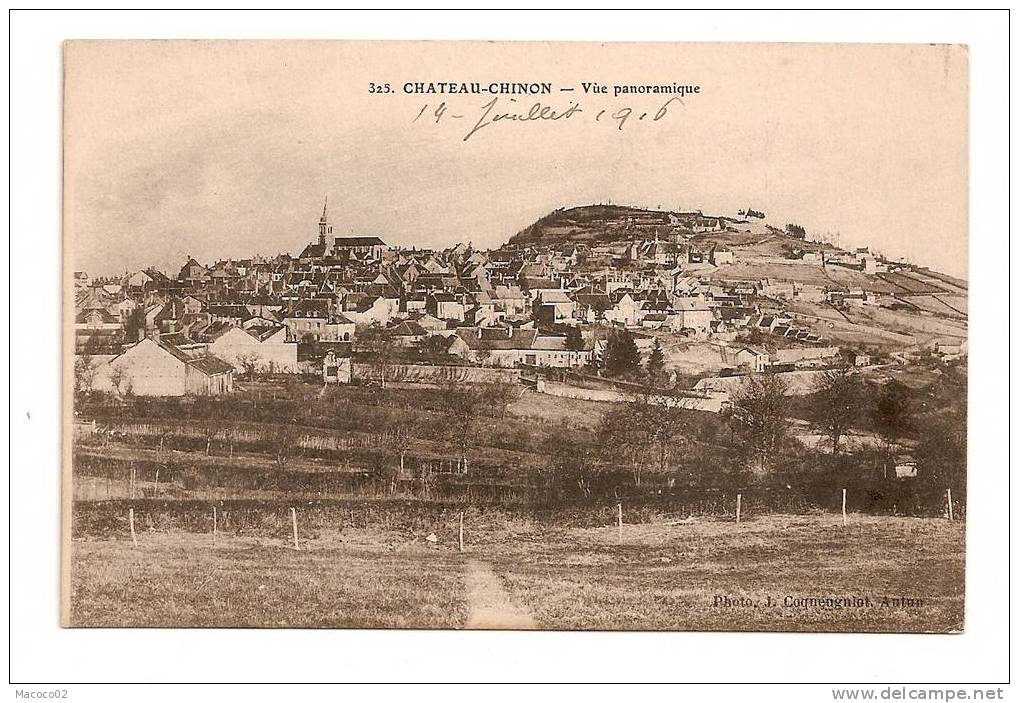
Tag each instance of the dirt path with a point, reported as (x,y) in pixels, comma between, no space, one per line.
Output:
(491,607)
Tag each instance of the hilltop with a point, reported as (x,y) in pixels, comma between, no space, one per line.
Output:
(850,297)
(598,224)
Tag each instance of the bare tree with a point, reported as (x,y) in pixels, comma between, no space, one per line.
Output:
(284,440)
(498,396)
(84,373)
(622,443)
(661,425)
(206,414)
(837,393)
(120,379)
(249,363)
(567,463)
(381,344)
(758,418)
(461,409)
(643,434)
(399,436)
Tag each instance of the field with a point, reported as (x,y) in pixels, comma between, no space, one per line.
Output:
(522,572)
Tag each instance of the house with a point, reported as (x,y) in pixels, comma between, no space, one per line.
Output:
(262,350)
(97,331)
(408,333)
(428,322)
(339,328)
(749,357)
(445,306)
(365,309)
(193,272)
(719,255)
(306,317)
(810,293)
(151,368)
(692,313)
(626,309)
(905,467)
(950,348)
(504,347)
(857,359)
(554,306)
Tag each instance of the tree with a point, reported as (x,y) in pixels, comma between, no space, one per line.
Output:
(623,442)
(621,354)
(566,464)
(395,442)
(941,454)
(210,420)
(134,326)
(890,411)
(484,352)
(461,411)
(434,344)
(249,362)
(758,418)
(120,380)
(834,406)
(643,434)
(656,363)
(283,441)
(84,373)
(574,339)
(381,344)
(498,396)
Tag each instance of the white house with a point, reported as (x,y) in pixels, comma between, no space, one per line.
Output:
(751,358)
(153,369)
(692,313)
(267,350)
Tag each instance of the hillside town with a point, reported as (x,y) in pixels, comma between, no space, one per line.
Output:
(704,300)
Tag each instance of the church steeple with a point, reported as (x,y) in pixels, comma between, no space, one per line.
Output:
(324,228)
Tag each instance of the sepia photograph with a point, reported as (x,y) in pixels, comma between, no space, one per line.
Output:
(515,335)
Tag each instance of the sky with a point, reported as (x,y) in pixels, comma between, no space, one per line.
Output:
(228,149)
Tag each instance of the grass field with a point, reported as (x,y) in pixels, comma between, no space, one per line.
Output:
(520,572)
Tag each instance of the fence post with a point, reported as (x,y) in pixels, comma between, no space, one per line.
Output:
(214,525)
(619,519)
(130,520)
(293,520)
(739,506)
(843,507)
(951,514)
(461,531)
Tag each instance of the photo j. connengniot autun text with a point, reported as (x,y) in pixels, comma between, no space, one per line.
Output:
(557,336)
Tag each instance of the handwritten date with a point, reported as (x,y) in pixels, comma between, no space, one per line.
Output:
(493,112)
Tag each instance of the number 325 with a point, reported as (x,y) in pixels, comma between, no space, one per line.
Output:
(379,88)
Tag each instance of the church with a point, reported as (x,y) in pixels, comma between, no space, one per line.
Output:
(360,248)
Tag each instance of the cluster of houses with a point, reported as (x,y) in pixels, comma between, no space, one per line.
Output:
(538,305)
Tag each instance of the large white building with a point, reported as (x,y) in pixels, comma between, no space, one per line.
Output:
(151,368)
(265,350)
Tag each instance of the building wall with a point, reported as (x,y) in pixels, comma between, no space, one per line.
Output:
(147,370)
(271,355)
(198,383)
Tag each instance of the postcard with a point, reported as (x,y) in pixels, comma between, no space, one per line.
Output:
(515,335)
